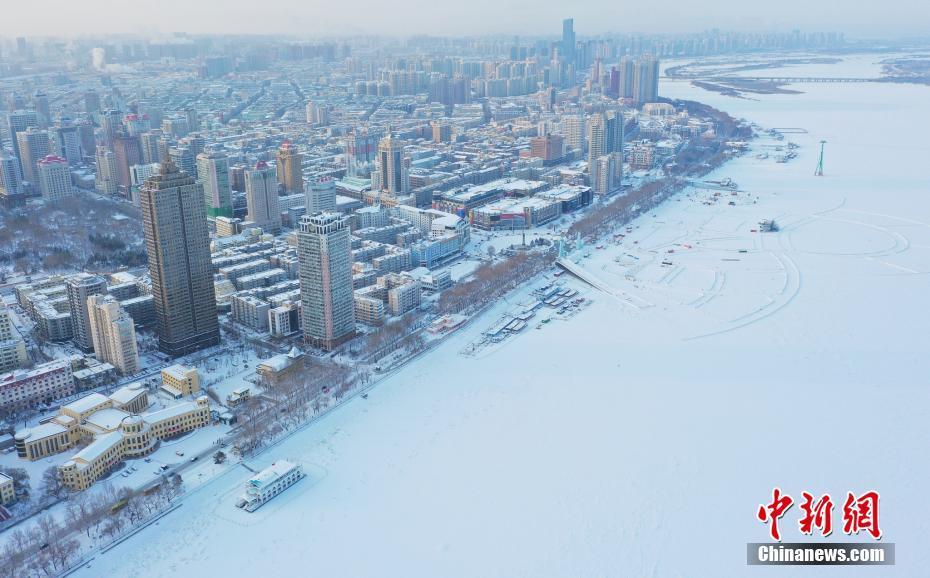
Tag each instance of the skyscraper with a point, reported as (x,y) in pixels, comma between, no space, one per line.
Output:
(79,288)
(18,121)
(174,219)
(213,172)
(646,79)
(568,40)
(324,253)
(290,168)
(43,112)
(34,145)
(11,180)
(261,197)
(392,166)
(321,195)
(113,334)
(626,77)
(605,136)
(105,181)
(128,151)
(54,178)
(573,129)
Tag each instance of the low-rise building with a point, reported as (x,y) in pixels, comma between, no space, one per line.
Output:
(7,491)
(44,383)
(180,381)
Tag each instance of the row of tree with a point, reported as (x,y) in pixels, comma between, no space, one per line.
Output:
(492,281)
(48,547)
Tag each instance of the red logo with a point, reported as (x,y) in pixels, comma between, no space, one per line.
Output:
(860,514)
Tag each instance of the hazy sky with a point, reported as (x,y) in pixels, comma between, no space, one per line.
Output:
(459,17)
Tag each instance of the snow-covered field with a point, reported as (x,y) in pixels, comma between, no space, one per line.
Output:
(638,437)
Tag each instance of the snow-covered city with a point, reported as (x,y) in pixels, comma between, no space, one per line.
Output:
(557,306)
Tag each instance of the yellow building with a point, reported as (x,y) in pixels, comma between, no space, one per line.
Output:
(7,494)
(180,381)
(136,436)
(91,416)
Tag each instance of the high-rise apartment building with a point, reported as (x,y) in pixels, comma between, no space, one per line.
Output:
(213,173)
(646,79)
(113,334)
(324,253)
(80,287)
(573,130)
(625,73)
(290,168)
(54,178)
(174,219)
(261,197)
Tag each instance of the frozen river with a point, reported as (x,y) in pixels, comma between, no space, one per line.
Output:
(639,440)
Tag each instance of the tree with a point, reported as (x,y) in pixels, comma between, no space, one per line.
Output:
(51,486)
(219,457)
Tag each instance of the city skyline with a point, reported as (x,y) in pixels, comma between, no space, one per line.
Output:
(418,17)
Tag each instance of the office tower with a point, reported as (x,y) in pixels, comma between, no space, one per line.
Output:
(177,241)
(128,151)
(154,146)
(573,129)
(106,180)
(317,114)
(646,79)
(33,145)
(261,197)
(213,173)
(111,123)
(85,130)
(113,334)
(324,254)
(54,178)
(392,166)
(568,40)
(136,124)
(91,102)
(362,148)
(11,180)
(12,347)
(43,112)
(79,288)
(18,121)
(321,196)
(290,168)
(184,159)
(607,172)
(69,142)
(625,72)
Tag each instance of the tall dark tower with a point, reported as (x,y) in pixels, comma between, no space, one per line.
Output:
(174,217)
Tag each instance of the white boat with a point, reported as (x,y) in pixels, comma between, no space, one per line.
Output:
(268,483)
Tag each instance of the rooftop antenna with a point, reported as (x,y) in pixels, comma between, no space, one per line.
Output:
(819,171)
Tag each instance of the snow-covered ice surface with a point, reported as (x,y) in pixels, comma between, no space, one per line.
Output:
(639,440)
